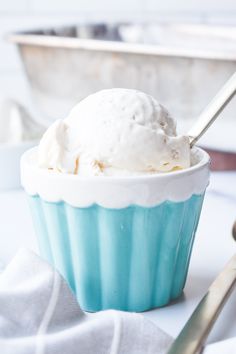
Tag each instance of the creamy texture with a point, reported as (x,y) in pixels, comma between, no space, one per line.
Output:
(16,124)
(115,192)
(115,132)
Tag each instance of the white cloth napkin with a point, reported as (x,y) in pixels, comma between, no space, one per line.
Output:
(40,315)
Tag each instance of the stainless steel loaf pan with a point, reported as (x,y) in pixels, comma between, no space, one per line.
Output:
(183,66)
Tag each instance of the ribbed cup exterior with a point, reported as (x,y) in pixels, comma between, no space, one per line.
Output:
(132,259)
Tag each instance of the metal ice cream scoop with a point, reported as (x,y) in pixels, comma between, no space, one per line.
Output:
(214,108)
(194,334)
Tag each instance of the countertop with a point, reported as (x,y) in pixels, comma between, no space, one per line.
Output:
(213,247)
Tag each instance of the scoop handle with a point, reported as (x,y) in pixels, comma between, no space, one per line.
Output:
(213,109)
(193,336)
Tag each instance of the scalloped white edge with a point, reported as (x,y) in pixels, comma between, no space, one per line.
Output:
(115,192)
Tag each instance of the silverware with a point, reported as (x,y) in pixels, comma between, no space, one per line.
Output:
(234,231)
(214,108)
(193,336)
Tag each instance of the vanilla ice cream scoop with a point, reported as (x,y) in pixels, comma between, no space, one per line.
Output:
(115,132)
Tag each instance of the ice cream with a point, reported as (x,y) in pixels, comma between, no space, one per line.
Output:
(114,132)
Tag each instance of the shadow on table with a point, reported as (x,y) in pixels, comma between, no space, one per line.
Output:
(197,285)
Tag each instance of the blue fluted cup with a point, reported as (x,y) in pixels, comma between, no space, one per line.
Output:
(120,242)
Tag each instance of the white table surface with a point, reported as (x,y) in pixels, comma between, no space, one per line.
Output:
(213,247)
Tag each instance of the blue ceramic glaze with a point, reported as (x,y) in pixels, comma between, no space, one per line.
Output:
(130,259)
